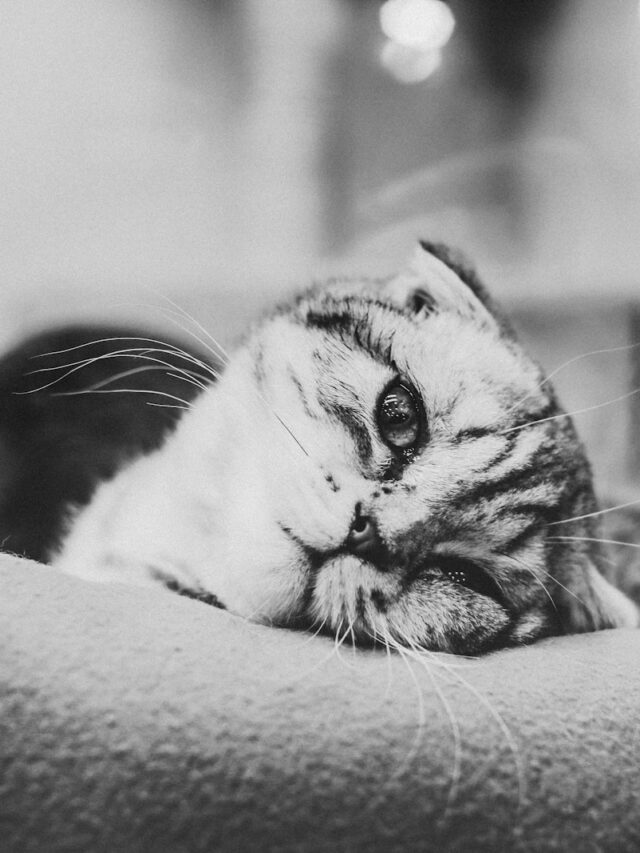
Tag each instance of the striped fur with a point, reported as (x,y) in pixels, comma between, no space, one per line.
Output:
(254,497)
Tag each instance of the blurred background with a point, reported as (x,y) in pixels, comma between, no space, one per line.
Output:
(223,152)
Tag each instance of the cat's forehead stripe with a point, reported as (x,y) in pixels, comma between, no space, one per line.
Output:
(355,318)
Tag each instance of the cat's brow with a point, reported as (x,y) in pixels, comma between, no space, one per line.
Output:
(354,326)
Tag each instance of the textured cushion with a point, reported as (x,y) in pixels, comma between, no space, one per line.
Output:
(138,720)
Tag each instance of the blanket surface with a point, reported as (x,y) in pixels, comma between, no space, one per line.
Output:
(136,720)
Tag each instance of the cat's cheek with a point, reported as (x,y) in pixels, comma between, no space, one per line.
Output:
(444,617)
(351,595)
(259,573)
(268,591)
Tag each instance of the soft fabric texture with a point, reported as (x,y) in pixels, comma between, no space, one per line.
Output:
(138,720)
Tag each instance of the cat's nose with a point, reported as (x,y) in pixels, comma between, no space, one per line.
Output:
(363,538)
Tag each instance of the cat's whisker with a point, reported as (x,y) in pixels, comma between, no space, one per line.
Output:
(336,633)
(216,343)
(376,637)
(576,358)
(604,351)
(341,639)
(354,641)
(528,569)
(221,352)
(442,660)
(593,539)
(503,728)
(291,433)
(571,414)
(156,364)
(317,631)
(173,316)
(141,353)
(190,379)
(84,345)
(144,369)
(417,655)
(409,651)
(421,722)
(303,676)
(257,616)
(565,588)
(338,639)
(350,633)
(124,374)
(184,403)
(423,655)
(596,513)
(130,352)
(280,420)
(169,348)
(168,406)
(209,373)
(74,367)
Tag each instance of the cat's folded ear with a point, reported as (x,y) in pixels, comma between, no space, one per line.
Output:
(437,280)
(592,604)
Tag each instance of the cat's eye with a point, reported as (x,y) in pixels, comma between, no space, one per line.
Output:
(470,575)
(399,416)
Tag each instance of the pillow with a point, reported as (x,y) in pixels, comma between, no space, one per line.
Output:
(134,719)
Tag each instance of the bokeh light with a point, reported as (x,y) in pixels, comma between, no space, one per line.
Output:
(416,31)
(408,64)
(424,24)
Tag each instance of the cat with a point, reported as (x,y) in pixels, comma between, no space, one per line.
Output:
(378,458)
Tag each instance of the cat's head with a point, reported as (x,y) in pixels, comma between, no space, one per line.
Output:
(395,467)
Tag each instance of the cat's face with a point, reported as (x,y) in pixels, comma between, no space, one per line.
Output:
(391,469)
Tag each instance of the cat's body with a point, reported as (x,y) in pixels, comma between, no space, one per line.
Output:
(378,457)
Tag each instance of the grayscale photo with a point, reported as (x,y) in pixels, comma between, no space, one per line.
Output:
(319,426)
